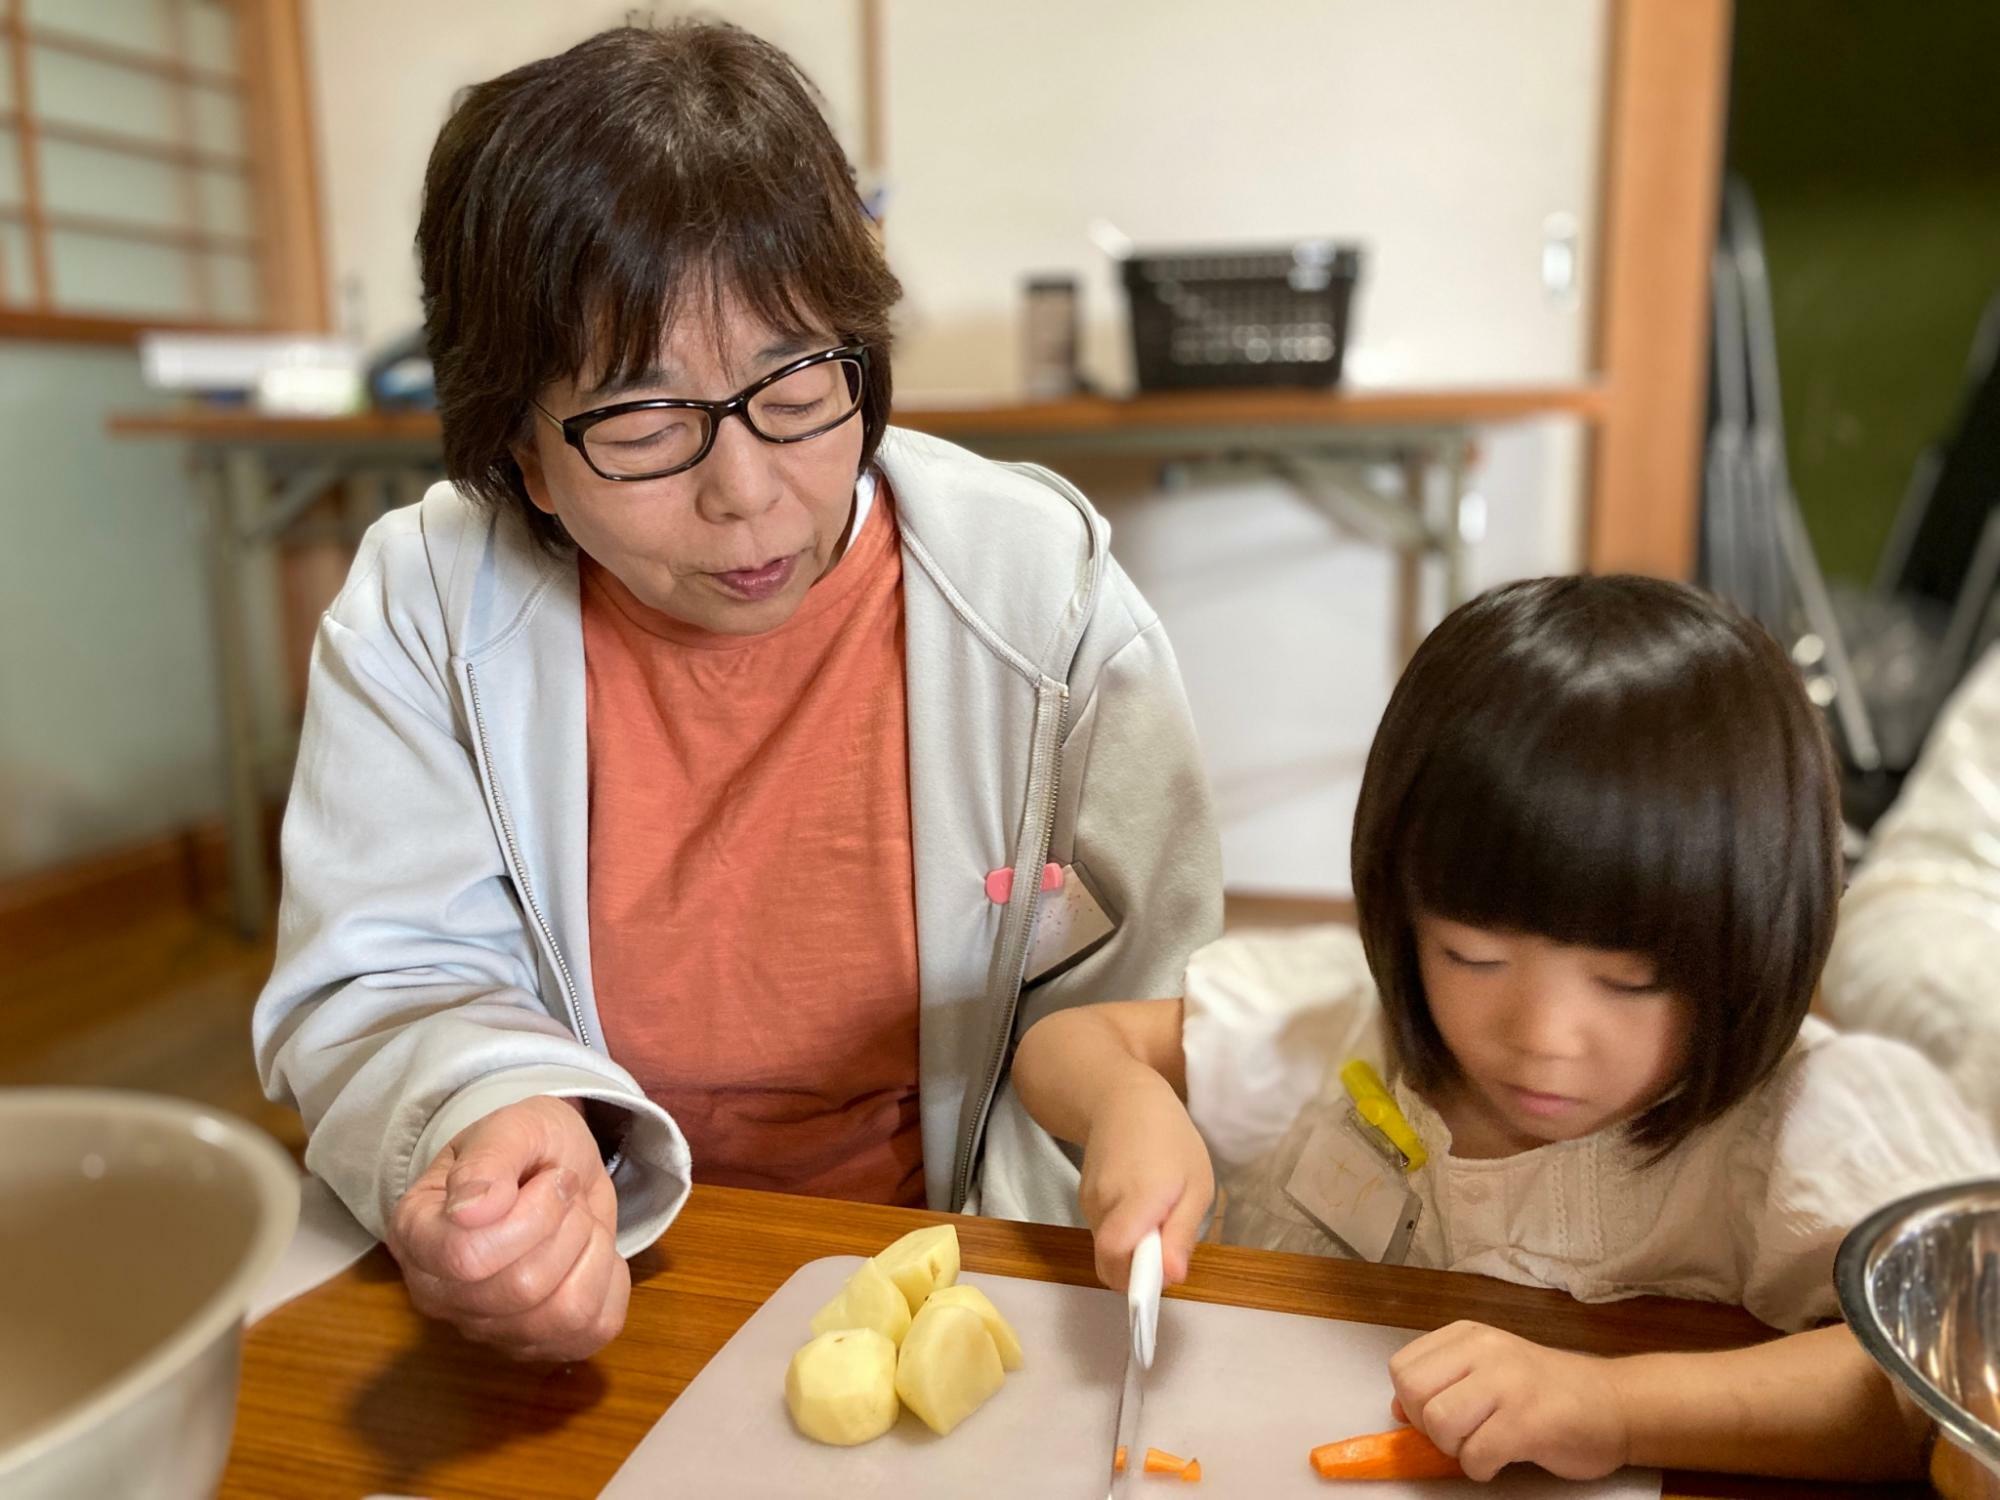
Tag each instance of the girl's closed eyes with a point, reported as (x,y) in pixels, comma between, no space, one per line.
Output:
(1617,973)
(1548,1041)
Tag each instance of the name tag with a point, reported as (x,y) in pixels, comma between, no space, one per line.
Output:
(1353,1184)
(1070,925)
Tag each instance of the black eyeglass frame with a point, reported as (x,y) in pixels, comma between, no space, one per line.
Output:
(575,429)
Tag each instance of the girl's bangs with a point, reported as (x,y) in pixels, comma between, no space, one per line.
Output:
(1614,836)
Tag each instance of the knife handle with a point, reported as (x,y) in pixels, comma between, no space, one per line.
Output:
(1142,1297)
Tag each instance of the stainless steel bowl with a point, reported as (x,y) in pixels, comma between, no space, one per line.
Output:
(133,1230)
(1920,1285)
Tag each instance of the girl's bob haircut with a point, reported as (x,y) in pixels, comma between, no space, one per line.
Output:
(1618,763)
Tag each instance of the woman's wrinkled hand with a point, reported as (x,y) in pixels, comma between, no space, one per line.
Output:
(510,1235)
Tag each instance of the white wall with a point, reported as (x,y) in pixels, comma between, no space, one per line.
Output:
(384,73)
(1284,629)
(109,733)
(108,721)
(1439,134)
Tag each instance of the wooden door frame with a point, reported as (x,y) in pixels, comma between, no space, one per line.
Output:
(1666,109)
(277,75)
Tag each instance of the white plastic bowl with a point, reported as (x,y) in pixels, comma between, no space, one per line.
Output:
(133,1230)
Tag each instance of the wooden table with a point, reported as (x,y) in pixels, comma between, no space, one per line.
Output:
(260,474)
(1176,411)
(347,1392)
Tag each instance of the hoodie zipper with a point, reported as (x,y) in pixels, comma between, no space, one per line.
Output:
(1015,962)
(973,1123)
(519,867)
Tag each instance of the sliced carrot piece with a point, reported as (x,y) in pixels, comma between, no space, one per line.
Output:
(1158,1461)
(1400,1453)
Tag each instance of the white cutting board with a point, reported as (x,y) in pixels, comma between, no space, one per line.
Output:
(1247,1392)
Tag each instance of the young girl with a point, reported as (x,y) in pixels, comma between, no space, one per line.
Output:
(1596,863)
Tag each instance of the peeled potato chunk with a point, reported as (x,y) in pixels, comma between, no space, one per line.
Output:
(868,1300)
(841,1388)
(920,1262)
(948,1366)
(973,1300)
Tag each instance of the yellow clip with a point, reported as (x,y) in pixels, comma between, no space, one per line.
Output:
(1373,1102)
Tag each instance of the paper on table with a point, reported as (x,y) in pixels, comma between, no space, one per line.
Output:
(328,1240)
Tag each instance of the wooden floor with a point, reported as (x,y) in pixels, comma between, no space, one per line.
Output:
(162,1003)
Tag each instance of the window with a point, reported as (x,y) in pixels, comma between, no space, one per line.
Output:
(155,168)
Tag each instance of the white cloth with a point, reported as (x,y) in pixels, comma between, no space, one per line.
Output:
(864,501)
(326,1242)
(1917,955)
(1749,1210)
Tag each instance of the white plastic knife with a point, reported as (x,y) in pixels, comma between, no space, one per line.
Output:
(1142,1308)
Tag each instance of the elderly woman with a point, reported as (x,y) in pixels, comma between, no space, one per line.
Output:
(681,782)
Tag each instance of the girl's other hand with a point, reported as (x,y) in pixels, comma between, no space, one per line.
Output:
(1490,1399)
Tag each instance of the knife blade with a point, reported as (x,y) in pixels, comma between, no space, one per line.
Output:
(1142,1314)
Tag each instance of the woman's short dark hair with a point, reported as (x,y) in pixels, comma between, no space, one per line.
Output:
(1619,763)
(573,207)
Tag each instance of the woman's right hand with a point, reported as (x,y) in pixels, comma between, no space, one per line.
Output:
(1145,1167)
(510,1235)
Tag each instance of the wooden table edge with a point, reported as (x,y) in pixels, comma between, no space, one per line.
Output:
(731,1249)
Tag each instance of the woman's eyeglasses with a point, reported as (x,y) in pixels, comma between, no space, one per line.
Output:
(652,439)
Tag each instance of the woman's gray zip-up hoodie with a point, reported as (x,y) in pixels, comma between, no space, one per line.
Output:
(434,941)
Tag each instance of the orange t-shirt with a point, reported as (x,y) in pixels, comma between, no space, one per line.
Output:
(753,932)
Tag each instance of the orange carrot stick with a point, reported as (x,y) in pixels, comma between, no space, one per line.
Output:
(1401,1453)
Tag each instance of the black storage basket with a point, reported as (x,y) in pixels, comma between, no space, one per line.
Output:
(1205,318)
